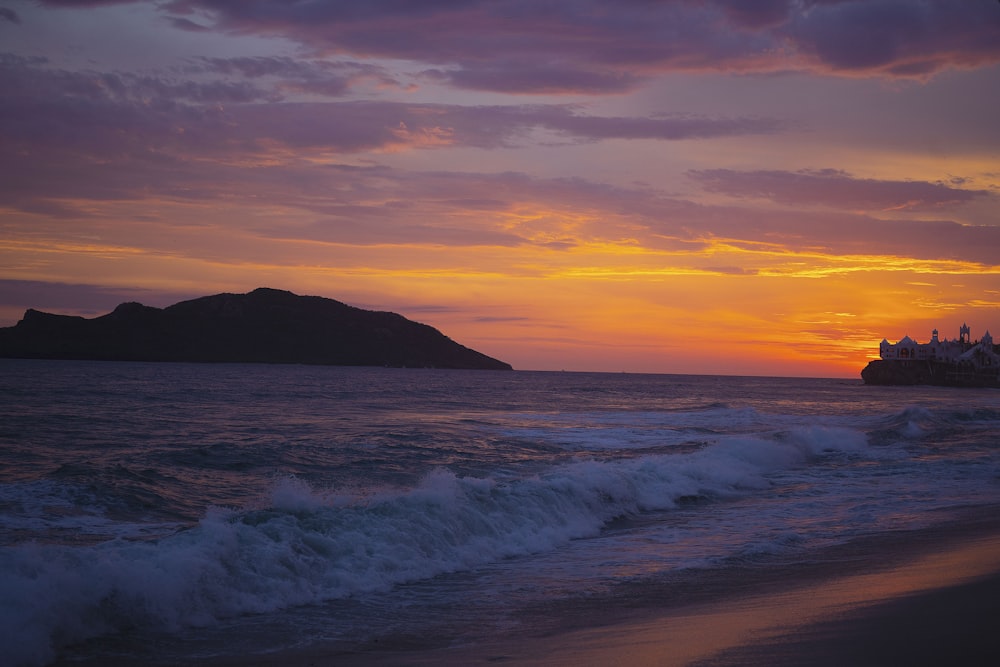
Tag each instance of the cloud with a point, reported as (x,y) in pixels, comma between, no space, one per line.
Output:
(78,137)
(608,46)
(321,77)
(515,76)
(677,126)
(613,46)
(9,15)
(588,46)
(48,114)
(731,270)
(834,188)
(375,205)
(82,4)
(835,233)
(756,15)
(897,38)
(187,25)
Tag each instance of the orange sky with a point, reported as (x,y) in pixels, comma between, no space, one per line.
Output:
(680,188)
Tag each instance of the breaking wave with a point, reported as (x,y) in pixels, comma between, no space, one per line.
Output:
(304,545)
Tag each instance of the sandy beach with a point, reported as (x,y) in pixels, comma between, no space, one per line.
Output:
(926,597)
(941,607)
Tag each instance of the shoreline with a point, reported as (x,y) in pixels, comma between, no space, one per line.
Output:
(844,618)
(925,596)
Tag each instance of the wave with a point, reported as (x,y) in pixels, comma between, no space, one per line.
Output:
(915,422)
(616,430)
(303,545)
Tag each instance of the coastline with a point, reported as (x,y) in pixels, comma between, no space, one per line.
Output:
(927,596)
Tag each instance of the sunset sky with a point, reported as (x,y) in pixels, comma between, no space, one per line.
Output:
(676,186)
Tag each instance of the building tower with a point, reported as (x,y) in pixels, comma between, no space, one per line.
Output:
(963,334)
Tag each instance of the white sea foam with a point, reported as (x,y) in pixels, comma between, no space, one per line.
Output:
(50,510)
(610,431)
(305,545)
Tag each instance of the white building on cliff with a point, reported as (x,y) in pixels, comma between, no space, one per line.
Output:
(959,351)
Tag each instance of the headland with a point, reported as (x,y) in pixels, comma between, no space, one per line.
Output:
(262,326)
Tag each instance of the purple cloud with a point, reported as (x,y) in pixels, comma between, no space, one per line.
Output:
(187,25)
(366,205)
(757,14)
(355,126)
(676,126)
(605,46)
(680,224)
(834,188)
(623,215)
(515,76)
(50,114)
(897,38)
(610,45)
(84,3)
(512,46)
(9,15)
(331,79)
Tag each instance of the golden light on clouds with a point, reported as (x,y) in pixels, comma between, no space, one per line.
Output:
(718,303)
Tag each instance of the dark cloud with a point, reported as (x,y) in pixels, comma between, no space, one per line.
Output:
(332,79)
(677,126)
(46,112)
(897,37)
(834,188)
(545,78)
(511,46)
(188,25)
(84,3)
(607,46)
(756,14)
(9,15)
(47,115)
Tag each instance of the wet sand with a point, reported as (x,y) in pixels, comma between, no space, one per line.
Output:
(940,609)
(928,597)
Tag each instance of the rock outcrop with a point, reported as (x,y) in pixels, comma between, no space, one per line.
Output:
(263,326)
(914,372)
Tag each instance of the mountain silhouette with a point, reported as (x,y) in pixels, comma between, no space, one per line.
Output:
(262,326)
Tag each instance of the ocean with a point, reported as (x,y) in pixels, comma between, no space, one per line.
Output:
(184,513)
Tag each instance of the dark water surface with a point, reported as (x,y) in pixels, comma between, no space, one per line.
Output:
(176,512)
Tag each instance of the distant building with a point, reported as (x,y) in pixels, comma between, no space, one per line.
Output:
(980,354)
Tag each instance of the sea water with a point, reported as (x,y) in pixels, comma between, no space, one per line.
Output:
(181,512)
